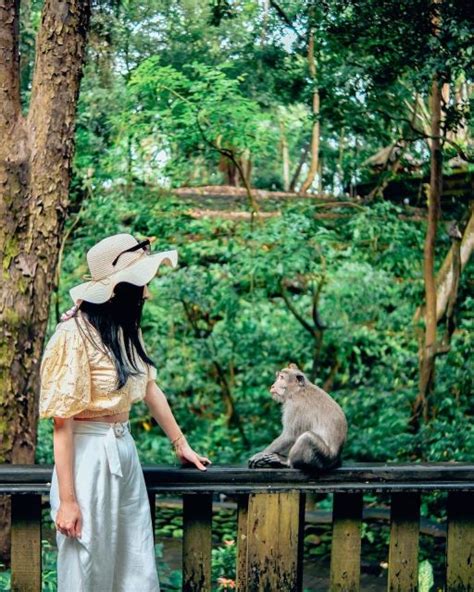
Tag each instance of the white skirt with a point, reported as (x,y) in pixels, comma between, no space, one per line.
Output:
(116,550)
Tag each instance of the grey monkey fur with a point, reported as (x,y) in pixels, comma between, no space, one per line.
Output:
(314,426)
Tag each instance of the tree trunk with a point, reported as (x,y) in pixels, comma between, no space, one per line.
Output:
(285,156)
(314,166)
(303,155)
(427,350)
(340,165)
(229,171)
(35,162)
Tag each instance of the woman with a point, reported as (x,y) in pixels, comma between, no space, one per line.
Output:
(93,369)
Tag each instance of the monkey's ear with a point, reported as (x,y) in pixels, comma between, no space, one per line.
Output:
(300,379)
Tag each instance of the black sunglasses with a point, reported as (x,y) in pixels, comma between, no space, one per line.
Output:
(145,245)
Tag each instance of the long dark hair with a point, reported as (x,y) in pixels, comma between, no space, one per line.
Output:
(122,311)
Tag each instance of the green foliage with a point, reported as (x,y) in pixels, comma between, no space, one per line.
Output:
(49,575)
(218,327)
(192,112)
(5,579)
(223,565)
(165,86)
(425,576)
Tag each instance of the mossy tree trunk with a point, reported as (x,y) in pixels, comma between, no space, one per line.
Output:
(428,338)
(35,170)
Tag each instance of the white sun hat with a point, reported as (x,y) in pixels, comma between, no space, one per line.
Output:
(119,258)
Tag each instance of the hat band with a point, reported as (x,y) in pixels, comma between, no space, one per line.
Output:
(102,278)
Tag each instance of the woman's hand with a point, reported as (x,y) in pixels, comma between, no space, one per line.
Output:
(187,455)
(69,519)
(160,410)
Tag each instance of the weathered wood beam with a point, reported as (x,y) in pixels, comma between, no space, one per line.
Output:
(274,531)
(26,543)
(346,544)
(404,537)
(242,547)
(197,542)
(460,542)
(230,192)
(234,479)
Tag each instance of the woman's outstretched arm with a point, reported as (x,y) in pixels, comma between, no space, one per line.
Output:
(159,408)
(68,518)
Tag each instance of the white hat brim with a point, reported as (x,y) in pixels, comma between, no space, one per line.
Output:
(138,273)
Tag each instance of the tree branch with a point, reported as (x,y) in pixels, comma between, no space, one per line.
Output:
(226,152)
(419,134)
(254,207)
(286,19)
(445,277)
(318,323)
(298,316)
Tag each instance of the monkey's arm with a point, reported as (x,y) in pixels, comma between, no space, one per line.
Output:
(274,455)
(280,445)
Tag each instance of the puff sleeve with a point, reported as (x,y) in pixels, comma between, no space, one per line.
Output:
(65,381)
(151,373)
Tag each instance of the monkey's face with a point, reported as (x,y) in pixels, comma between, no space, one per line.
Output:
(288,382)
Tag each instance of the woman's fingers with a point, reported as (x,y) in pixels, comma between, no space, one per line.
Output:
(78,532)
(192,457)
(70,529)
(199,464)
(63,530)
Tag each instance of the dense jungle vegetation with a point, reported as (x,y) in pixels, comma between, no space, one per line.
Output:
(185,94)
(312,163)
(239,308)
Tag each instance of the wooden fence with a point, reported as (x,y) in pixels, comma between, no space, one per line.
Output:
(271,521)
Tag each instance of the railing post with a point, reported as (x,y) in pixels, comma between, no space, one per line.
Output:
(404,537)
(26,543)
(345,549)
(242,547)
(460,542)
(300,551)
(274,531)
(197,542)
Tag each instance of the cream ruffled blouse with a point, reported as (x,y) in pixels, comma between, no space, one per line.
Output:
(78,379)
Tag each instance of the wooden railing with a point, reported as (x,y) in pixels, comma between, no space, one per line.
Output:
(271,521)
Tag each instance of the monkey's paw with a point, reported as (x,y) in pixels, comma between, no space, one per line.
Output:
(267,460)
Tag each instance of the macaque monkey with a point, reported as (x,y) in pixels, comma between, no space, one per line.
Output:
(314,426)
